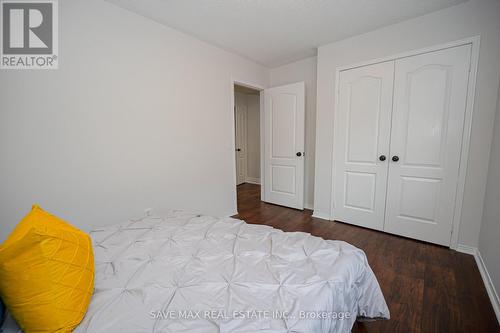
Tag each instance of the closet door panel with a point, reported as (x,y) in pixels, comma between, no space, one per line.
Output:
(362,130)
(427,124)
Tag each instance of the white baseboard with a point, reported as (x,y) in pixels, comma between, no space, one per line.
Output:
(252,180)
(485,275)
(467,249)
(321,215)
(309,206)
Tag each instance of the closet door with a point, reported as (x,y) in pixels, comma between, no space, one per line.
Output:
(427,124)
(362,132)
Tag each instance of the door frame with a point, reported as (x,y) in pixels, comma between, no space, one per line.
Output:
(469,112)
(260,88)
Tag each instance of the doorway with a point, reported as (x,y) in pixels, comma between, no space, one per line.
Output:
(247,135)
(269,129)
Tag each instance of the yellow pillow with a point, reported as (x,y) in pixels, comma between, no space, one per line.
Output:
(46,273)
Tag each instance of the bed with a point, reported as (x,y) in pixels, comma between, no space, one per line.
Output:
(192,273)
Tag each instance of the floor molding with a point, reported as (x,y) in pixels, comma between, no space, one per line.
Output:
(467,249)
(252,180)
(309,206)
(485,275)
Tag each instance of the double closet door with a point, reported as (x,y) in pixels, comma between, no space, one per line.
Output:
(397,144)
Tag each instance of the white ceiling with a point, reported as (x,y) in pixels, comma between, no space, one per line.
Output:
(277,32)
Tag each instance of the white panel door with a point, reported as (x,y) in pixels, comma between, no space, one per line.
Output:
(284,145)
(427,124)
(241,143)
(362,134)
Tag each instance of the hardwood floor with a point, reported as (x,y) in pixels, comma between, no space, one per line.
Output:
(428,288)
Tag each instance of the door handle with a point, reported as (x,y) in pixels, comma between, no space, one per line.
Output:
(239,149)
(395,158)
(382,158)
(299,154)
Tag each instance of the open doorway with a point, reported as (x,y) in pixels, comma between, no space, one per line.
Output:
(269,128)
(247,120)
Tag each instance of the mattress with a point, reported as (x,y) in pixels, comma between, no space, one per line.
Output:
(192,273)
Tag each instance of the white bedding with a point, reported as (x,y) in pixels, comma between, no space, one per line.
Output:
(192,273)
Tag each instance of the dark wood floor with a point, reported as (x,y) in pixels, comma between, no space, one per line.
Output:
(428,288)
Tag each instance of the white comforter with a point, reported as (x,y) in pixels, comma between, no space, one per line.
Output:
(192,273)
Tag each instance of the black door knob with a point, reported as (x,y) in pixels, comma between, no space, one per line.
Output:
(395,158)
(299,154)
(239,149)
(382,158)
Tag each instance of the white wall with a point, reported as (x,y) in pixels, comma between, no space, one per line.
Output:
(475,17)
(137,116)
(489,245)
(303,70)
